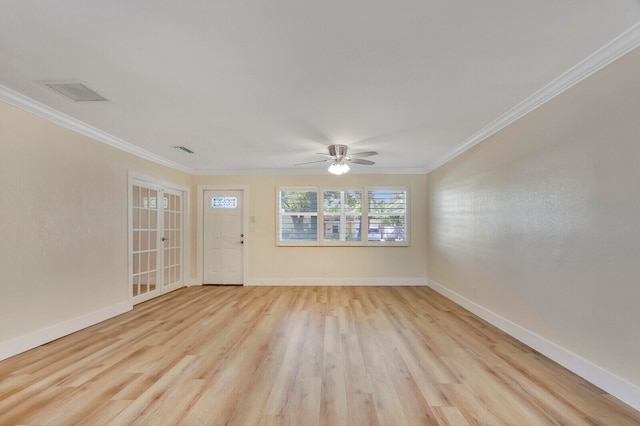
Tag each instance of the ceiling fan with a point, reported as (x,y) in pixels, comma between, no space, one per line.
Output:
(338,157)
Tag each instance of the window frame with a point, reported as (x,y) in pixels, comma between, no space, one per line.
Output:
(296,243)
(364,212)
(386,243)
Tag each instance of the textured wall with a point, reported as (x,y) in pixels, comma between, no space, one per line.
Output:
(63,204)
(541,222)
(267,261)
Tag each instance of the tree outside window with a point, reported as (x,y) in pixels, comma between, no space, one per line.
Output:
(298,215)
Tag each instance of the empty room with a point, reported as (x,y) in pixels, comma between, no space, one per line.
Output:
(320,213)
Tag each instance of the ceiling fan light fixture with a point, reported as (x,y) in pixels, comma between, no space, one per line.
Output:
(338,168)
(338,158)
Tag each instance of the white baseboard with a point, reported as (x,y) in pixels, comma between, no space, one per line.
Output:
(335,282)
(34,339)
(618,387)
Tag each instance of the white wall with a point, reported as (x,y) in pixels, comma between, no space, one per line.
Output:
(539,225)
(270,264)
(63,251)
(63,245)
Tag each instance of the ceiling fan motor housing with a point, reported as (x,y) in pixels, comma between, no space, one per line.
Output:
(338,151)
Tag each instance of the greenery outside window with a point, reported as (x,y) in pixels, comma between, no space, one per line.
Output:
(298,215)
(387,215)
(342,215)
(375,216)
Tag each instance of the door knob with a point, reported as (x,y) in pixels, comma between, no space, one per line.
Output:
(165,239)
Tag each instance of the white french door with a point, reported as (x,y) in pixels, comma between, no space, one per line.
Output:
(155,240)
(172,240)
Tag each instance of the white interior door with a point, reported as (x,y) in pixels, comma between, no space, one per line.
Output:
(223,239)
(156,240)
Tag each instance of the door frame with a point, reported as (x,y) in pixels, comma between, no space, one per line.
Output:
(200,227)
(134,177)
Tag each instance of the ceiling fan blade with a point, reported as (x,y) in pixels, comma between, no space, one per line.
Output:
(359,161)
(311,162)
(363,154)
(340,154)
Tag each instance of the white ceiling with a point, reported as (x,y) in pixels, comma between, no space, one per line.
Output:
(257,86)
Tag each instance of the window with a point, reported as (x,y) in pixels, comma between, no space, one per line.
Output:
(298,215)
(354,216)
(387,215)
(224,202)
(342,215)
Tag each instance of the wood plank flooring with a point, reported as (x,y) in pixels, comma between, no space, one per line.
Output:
(297,356)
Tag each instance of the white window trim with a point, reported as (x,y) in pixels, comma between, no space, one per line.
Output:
(321,242)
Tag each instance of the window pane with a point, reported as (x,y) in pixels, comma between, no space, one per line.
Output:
(224,202)
(342,215)
(298,215)
(387,216)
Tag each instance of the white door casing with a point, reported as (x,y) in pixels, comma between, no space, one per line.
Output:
(223,237)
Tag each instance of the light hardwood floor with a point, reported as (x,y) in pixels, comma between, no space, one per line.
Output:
(298,356)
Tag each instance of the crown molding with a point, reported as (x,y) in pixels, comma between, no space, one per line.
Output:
(32,106)
(615,49)
(25,103)
(618,47)
(315,171)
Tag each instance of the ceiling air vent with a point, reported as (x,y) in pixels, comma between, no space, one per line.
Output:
(75,91)
(184,148)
